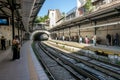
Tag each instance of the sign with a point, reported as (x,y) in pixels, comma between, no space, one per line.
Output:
(4,21)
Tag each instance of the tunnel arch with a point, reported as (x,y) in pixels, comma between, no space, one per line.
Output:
(38,33)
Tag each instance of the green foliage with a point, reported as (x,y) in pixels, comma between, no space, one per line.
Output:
(37,20)
(41,19)
(88,6)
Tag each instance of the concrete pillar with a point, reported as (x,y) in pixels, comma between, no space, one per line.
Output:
(13,28)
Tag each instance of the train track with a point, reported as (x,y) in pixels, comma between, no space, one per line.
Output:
(39,57)
(76,71)
(111,71)
(81,53)
(57,70)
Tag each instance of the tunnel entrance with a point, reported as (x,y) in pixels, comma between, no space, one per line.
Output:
(40,35)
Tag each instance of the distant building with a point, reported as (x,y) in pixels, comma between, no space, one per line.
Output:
(71,14)
(80,9)
(54,16)
(39,26)
(101,4)
(96,5)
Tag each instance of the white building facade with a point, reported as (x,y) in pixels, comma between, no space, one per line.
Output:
(54,16)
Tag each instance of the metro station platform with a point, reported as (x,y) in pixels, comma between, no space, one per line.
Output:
(25,68)
(28,67)
(110,50)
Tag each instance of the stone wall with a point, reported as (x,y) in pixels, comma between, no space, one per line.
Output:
(6,31)
(101,32)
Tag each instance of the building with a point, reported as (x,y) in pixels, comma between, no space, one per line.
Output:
(54,16)
(103,19)
(71,14)
(80,9)
(39,26)
(95,6)
(100,4)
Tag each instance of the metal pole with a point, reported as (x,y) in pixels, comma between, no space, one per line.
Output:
(69,34)
(63,35)
(95,28)
(18,27)
(13,30)
(63,32)
(21,33)
(12,11)
(79,35)
(79,30)
(57,34)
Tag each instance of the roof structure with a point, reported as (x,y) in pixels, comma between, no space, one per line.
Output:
(24,10)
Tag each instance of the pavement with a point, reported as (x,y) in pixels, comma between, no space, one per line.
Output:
(25,68)
(100,48)
(28,67)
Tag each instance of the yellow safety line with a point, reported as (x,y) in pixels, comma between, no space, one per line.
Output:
(32,71)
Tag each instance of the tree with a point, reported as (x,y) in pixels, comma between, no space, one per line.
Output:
(41,19)
(37,20)
(88,6)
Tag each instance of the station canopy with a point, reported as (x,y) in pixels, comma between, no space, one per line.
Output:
(23,10)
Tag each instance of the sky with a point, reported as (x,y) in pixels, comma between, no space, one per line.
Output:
(62,5)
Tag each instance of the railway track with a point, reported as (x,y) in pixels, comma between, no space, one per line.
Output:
(88,57)
(57,69)
(111,71)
